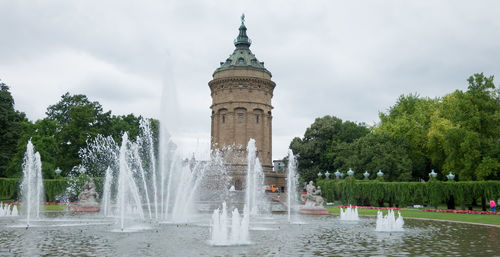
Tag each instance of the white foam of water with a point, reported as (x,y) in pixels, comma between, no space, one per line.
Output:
(389,222)
(349,213)
(220,235)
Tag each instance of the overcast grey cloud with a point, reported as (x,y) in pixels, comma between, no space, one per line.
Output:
(351,59)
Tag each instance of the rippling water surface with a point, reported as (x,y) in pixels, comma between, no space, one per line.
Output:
(319,236)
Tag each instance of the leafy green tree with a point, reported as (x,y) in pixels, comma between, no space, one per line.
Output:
(77,120)
(465,132)
(42,134)
(375,152)
(313,149)
(410,118)
(10,128)
(124,123)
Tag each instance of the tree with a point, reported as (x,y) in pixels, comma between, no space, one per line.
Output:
(10,128)
(313,149)
(375,152)
(78,119)
(465,132)
(43,136)
(410,118)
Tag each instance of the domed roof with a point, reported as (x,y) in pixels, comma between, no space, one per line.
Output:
(242,57)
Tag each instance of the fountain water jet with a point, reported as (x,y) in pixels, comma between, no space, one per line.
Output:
(127,189)
(220,227)
(143,176)
(32,183)
(349,213)
(389,222)
(255,196)
(292,182)
(5,210)
(106,196)
(148,140)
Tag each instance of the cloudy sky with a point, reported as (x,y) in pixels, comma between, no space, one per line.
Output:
(351,59)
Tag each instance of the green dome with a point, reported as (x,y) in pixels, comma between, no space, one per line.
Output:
(242,57)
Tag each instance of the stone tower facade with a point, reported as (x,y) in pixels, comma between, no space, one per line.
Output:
(241,91)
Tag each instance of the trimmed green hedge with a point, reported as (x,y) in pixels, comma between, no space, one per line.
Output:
(434,192)
(9,188)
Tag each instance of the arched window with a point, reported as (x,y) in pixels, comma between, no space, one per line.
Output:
(241,61)
(237,184)
(223,118)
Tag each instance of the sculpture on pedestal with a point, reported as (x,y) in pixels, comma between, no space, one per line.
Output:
(87,199)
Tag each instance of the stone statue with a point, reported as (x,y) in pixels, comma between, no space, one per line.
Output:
(313,196)
(88,196)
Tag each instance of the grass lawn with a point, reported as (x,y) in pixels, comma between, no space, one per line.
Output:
(47,207)
(55,207)
(417,213)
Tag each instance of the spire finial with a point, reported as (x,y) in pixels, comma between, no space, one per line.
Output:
(242,40)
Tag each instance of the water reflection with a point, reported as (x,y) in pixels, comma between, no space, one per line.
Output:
(320,236)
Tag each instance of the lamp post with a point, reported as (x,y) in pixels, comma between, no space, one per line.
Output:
(337,174)
(366,174)
(327,175)
(320,174)
(380,173)
(350,172)
(432,174)
(57,171)
(450,176)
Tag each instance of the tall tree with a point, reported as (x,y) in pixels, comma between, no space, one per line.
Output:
(77,120)
(313,149)
(10,128)
(43,136)
(465,131)
(375,152)
(410,118)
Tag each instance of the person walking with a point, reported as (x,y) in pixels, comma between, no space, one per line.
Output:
(493,206)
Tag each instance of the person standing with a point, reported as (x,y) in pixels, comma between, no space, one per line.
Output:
(493,206)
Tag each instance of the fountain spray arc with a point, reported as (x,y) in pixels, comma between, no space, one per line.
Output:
(128,198)
(32,183)
(220,227)
(292,183)
(256,199)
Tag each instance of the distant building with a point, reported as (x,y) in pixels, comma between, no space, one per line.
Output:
(279,166)
(241,91)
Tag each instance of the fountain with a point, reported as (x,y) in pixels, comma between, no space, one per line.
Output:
(31,185)
(7,211)
(389,222)
(125,197)
(292,182)
(220,227)
(106,195)
(349,213)
(255,195)
(128,199)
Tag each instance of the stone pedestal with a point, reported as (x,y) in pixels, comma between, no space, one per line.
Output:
(84,208)
(314,211)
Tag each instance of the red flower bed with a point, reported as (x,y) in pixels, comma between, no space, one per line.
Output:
(46,203)
(463,211)
(371,207)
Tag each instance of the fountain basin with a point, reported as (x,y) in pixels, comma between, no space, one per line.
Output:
(314,211)
(319,236)
(83,208)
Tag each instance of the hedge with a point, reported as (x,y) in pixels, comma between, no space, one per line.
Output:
(433,192)
(54,189)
